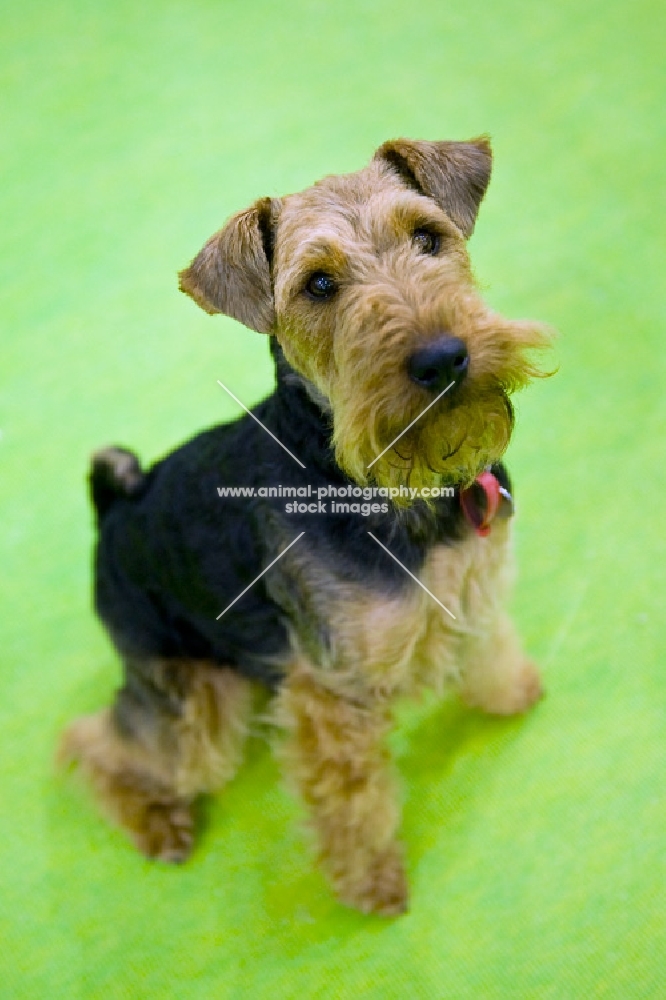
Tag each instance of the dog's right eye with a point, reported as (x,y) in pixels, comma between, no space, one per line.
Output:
(320,286)
(426,241)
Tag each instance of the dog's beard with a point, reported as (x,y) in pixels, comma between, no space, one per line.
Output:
(452,441)
(449,445)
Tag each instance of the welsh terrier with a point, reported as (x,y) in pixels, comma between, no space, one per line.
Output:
(393,384)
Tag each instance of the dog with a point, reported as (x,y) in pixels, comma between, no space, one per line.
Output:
(393,382)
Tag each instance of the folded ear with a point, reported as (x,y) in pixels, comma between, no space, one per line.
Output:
(454,174)
(231,274)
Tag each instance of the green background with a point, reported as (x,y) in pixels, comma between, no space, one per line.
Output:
(129,132)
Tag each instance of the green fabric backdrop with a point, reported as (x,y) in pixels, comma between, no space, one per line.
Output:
(130,131)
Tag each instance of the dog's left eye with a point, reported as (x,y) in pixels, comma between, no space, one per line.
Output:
(320,286)
(426,241)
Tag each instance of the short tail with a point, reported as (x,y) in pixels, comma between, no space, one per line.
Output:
(114,473)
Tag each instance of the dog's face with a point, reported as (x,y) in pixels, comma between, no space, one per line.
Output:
(365,281)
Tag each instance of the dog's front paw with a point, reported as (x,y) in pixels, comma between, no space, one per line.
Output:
(507,694)
(379,887)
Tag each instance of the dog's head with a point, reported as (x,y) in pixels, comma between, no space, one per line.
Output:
(365,281)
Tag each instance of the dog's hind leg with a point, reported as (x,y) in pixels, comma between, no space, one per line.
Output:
(175,730)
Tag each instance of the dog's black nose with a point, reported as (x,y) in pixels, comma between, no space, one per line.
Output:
(439,364)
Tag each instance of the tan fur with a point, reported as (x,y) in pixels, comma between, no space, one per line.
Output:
(454,174)
(231,274)
(384,647)
(336,759)
(146,781)
(336,713)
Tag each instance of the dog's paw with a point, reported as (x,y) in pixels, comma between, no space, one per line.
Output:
(508,694)
(381,888)
(159,822)
(523,690)
(166,831)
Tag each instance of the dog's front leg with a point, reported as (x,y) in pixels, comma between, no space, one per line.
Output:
(336,757)
(496,675)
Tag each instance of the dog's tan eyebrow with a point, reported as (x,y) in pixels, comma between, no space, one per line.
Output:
(410,215)
(321,253)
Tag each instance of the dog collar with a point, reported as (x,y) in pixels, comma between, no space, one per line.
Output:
(485,500)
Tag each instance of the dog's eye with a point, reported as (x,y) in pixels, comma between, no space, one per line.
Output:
(426,241)
(320,286)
